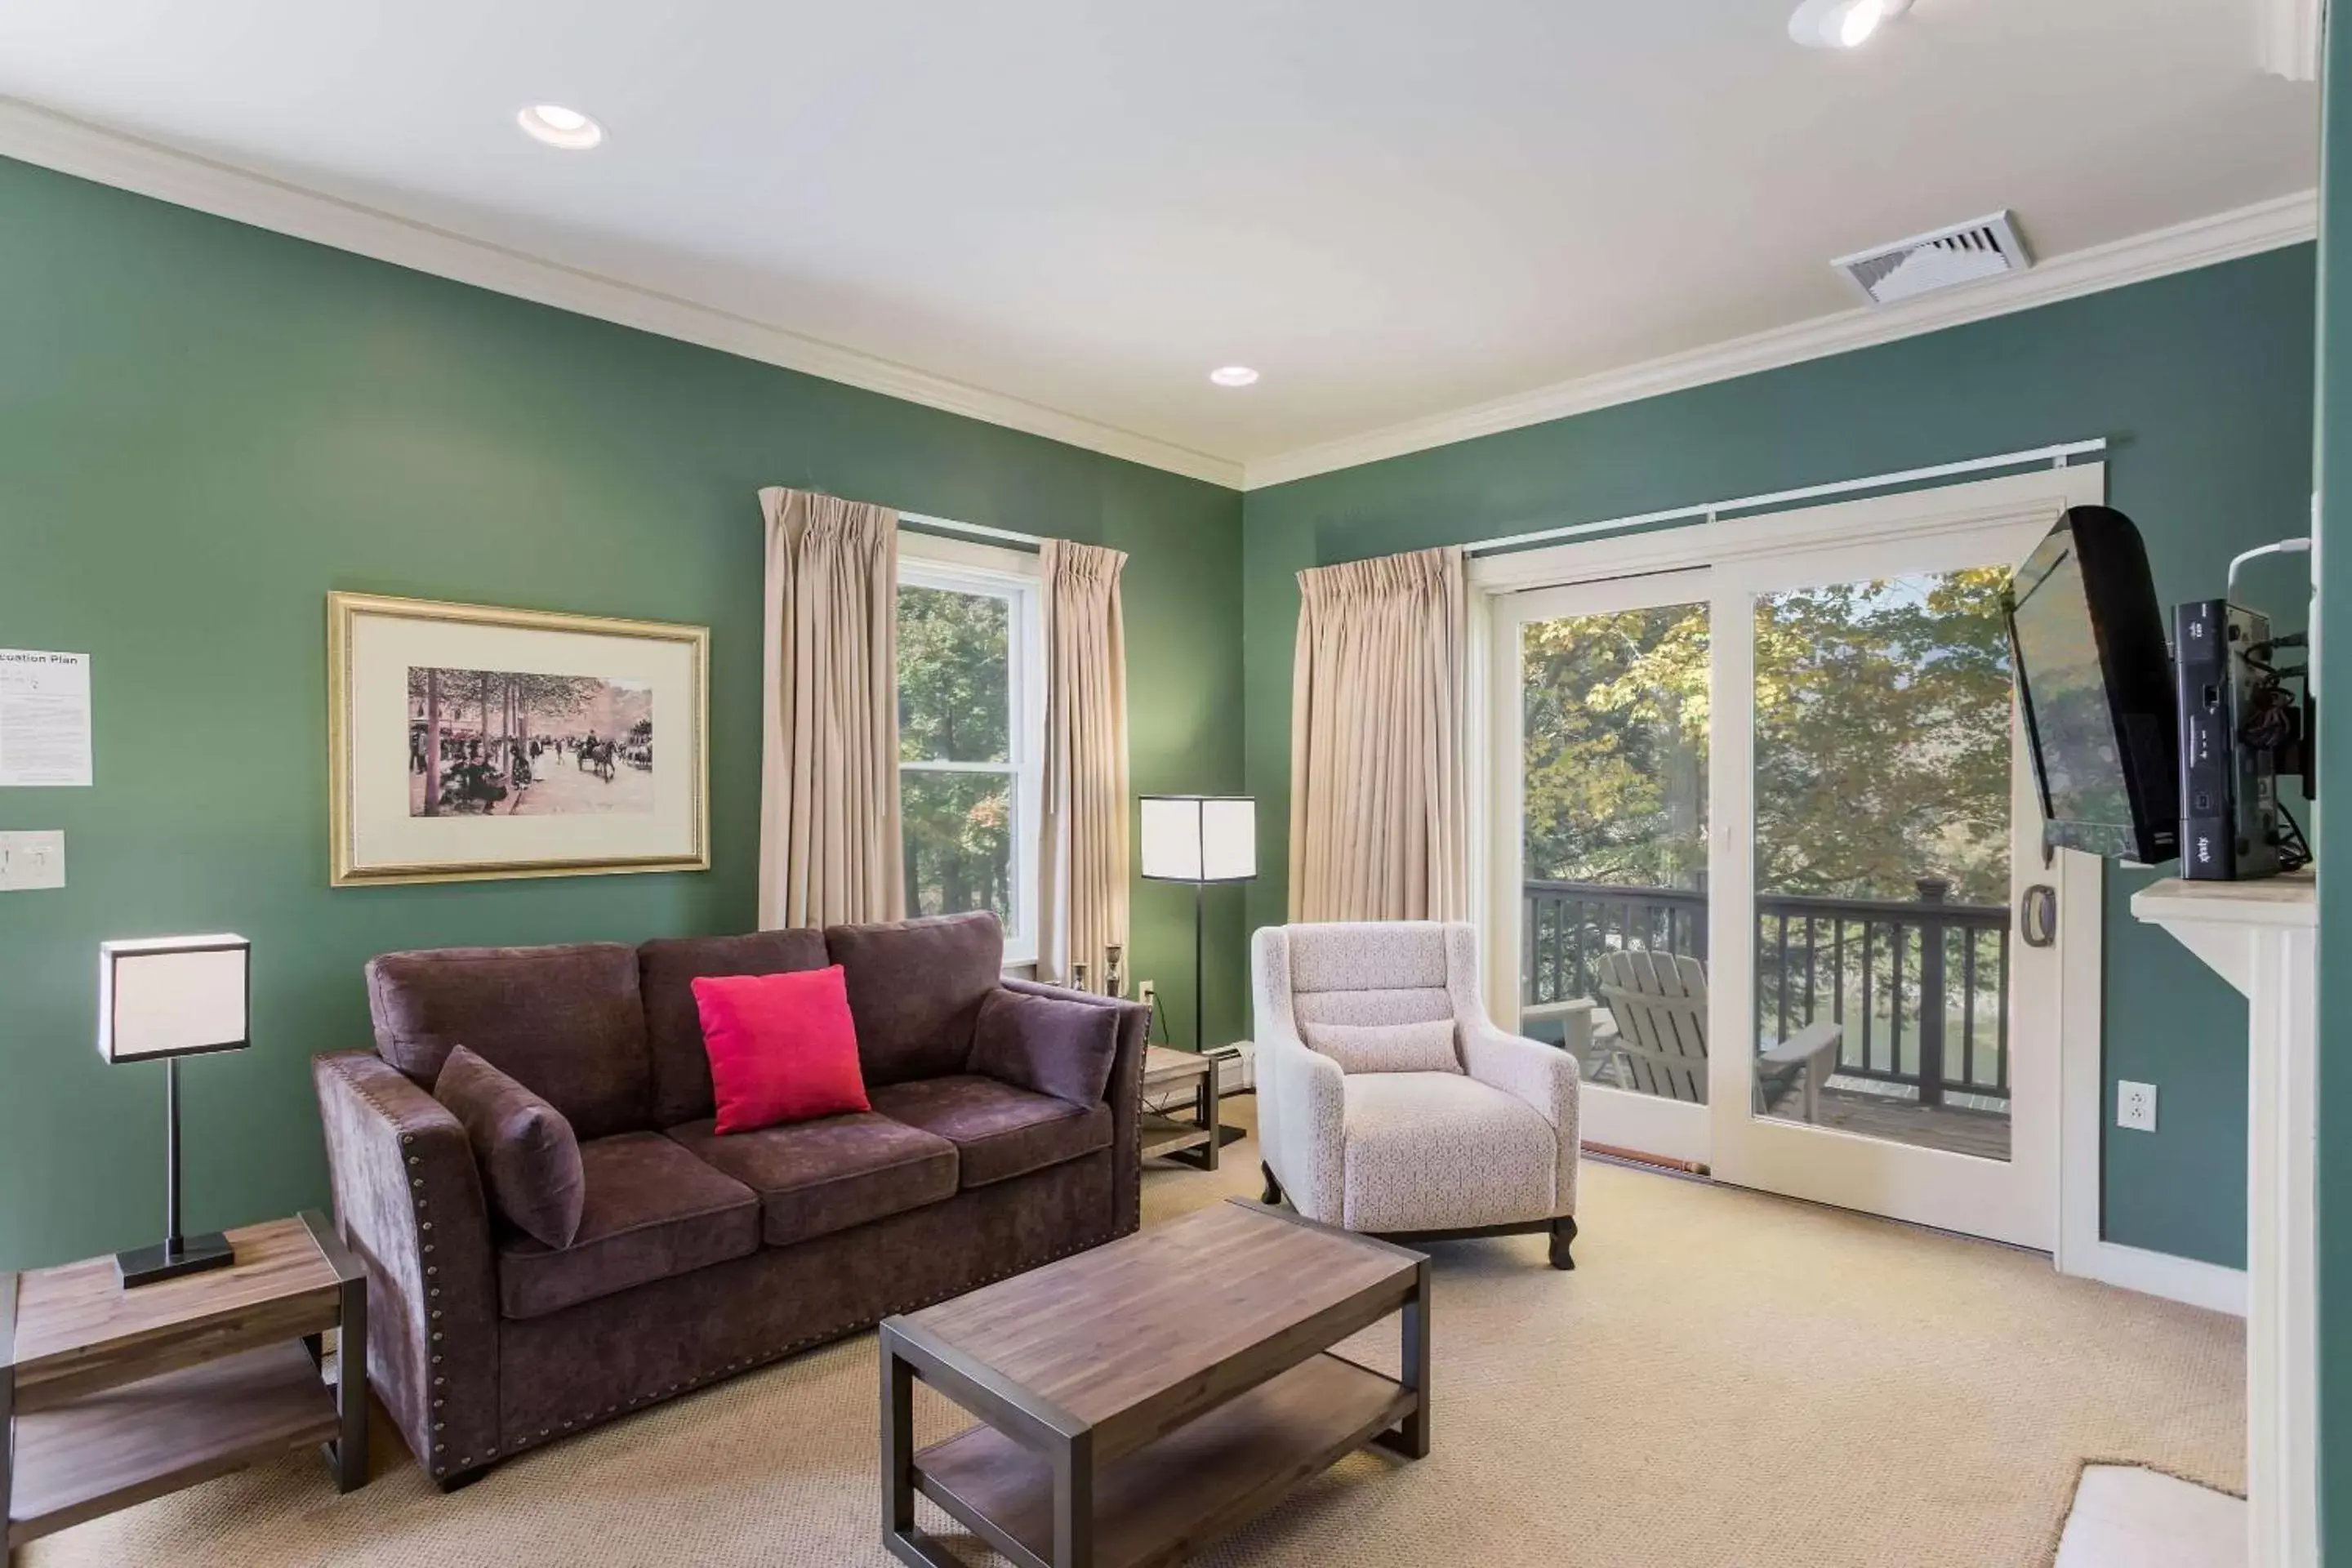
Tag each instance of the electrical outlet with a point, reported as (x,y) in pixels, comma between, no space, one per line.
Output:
(2135,1105)
(1146,992)
(32,860)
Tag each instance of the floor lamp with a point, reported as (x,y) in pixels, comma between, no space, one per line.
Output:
(1201,839)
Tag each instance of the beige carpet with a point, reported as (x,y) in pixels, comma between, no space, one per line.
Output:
(1727,1381)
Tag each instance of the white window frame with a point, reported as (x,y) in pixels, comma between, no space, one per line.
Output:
(961,567)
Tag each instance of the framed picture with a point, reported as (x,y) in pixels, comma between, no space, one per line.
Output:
(467,743)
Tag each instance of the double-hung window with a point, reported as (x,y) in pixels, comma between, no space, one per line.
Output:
(971,691)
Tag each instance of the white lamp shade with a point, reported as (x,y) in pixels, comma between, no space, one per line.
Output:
(172,997)
(1198,838)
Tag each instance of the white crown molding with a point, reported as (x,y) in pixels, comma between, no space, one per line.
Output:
(76,147)
(2265,226)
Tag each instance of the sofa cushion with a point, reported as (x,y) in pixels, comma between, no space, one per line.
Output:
(652,1210)
(563,1022)
(816,1177)
(525,1149)
(667,971)
(1441,1151)
(1043,1043)
(915,988)
(998,1130)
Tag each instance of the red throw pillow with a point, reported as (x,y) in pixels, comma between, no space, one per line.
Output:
(782,1047)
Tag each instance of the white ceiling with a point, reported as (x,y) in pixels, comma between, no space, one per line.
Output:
(1391,207)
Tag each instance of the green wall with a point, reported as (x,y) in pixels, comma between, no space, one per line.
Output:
(2203,384)
(205,427)
(2333,662)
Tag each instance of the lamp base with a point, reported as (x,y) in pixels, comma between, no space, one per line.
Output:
(167,1260)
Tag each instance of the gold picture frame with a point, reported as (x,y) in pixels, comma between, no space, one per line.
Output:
(625,805)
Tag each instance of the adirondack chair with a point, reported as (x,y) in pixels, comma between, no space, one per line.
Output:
(1658,1003)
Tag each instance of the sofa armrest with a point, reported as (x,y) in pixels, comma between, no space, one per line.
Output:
(409,1203)
(1541,1075)
(1125,1094)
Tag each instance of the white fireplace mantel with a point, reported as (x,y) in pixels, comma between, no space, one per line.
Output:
(2262,938)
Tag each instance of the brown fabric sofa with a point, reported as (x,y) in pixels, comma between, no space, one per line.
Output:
(700,1256)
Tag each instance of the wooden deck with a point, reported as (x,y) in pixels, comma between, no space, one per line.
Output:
(1984,1134)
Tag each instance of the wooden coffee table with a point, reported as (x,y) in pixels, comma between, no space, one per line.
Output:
(1141,1400)
(110,1397)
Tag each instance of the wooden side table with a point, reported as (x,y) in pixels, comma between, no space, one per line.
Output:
(110,1397)
(1165,1067)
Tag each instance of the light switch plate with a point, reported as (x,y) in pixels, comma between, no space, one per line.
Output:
(2135,1105)
(32,860)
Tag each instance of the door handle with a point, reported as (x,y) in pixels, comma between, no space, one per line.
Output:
(2037,916)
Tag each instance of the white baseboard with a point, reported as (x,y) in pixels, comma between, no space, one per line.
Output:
(2207,1285)
(1238,1075)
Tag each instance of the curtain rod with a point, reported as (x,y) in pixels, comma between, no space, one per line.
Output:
(974,530)
(2057,456)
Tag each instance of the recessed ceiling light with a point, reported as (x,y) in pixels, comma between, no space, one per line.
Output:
(1841,23)
(1234,375)
(560,127)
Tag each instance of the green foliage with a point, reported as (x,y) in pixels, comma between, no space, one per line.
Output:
(954,706)
(1616,710)
(1883,737)
(1882,742)
(954,677)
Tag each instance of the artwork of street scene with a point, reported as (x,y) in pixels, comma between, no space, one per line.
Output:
(493,742)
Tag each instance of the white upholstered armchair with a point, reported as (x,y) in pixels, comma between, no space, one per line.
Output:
(1390,1103)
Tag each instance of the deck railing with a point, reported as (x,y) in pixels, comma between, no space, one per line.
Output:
(1922,985)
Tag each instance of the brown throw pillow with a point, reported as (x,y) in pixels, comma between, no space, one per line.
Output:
(1043,1043)
(530,1160)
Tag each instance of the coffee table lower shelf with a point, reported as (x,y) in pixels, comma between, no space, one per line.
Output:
(1171,1498)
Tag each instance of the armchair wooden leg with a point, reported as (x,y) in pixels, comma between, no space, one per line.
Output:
(1563,1232)
(1273,1194)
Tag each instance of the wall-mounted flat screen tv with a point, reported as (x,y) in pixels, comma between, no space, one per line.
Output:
(2094,678)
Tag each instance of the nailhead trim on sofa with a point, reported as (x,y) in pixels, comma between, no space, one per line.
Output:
(437,1461)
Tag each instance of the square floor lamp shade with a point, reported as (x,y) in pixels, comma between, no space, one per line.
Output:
(1199,839)
(159,999)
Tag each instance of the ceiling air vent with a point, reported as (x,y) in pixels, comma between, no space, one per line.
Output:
(1964,253)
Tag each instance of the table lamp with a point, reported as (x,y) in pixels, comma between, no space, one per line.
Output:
(1201,839)
(162,998)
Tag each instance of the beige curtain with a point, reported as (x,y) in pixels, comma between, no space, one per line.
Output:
(1085,834)
(1378,790)
(829,848)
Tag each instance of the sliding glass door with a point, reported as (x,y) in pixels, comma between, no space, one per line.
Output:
(1762,825)
(1611,692)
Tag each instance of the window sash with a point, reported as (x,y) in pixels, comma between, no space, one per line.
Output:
(957,567)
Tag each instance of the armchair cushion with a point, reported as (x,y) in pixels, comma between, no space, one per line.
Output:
(817,1177)
(528,1158)
(1387,1048)
(1000,1132)
(915,988)
(652,1210)
(1042,1043)
(1443,1150)
(667,971)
